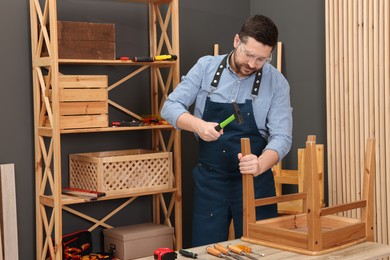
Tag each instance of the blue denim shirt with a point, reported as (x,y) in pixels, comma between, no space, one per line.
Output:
(272,109)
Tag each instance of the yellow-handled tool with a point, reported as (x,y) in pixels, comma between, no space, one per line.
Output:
(215,252)
(239,251)
(225,250)
(248,249)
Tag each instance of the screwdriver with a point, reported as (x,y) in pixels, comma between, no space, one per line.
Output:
(247,249)
(239,251)
(188,254)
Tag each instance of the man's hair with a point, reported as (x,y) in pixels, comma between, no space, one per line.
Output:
(261,28)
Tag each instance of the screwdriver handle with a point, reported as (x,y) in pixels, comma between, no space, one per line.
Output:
(213,251)
(222,249)
(235,249)
(188,253)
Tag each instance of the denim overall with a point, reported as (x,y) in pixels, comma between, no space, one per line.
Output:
(217,178)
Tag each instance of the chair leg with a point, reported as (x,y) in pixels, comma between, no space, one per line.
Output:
(368,189)
(248,198)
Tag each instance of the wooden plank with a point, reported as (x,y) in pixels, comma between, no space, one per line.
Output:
(9,212)
(282,237)
(343,207)
(83,108)
(83,81)
(343,235)
(387,104)
(83,95)
(85,121)
(284,198)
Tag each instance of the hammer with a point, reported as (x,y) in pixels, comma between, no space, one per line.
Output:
(236,115)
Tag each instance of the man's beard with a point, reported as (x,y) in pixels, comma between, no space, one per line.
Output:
(242,68)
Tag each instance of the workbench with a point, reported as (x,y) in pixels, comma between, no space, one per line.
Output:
(361,251)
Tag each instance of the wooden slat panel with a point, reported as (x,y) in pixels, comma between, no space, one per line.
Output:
(358,92)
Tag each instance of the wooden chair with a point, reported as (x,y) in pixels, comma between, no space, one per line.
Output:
(318,230)
(296,177)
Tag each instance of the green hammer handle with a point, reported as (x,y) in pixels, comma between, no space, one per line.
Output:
(225,123)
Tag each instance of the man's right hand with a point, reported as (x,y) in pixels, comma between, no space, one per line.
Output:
(205,130)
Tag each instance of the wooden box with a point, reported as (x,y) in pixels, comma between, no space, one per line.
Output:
(137,241)
(85,40)
(122,171)
(83,101)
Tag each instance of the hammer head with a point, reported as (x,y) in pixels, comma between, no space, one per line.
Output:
(237,114)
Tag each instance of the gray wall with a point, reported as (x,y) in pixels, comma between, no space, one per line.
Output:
(202,23)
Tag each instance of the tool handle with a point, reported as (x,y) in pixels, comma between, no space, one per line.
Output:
(165,57)
(225,123)
(213,251)
(245,248)
(188,254)
(143,59)
(222,249)
(235,249)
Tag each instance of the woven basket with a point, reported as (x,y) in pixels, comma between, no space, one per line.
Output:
(121,171)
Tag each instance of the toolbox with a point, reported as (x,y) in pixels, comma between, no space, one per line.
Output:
(137,241)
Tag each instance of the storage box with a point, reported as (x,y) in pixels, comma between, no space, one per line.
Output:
(123,171)
(83,101)
(137,241)
(84,40)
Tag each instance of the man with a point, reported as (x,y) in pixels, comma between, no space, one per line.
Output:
(262,93)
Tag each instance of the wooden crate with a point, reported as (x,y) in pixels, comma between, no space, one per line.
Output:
(83,101)
(85,40)
(122,171)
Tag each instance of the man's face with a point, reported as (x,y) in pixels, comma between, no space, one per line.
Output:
(249,57)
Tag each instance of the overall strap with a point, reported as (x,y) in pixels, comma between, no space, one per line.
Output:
(222,66)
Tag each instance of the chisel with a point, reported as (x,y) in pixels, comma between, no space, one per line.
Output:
(226,251)
(213,251)
(239,251)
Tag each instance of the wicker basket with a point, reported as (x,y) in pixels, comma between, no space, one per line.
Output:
(121,171)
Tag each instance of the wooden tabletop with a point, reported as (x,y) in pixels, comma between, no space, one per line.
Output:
(364,250)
